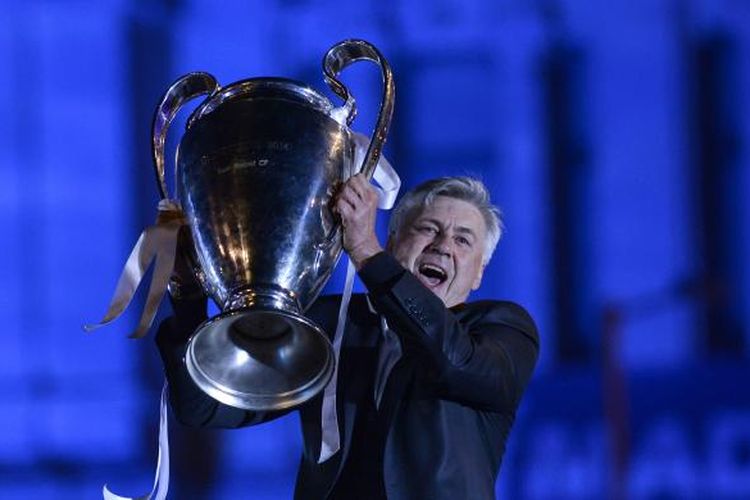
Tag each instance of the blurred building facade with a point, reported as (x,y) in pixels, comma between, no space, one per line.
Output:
(614,135)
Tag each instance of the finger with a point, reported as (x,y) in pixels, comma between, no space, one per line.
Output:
(364,188)
(351,197)
(345,207)
(371,194)
(352,188)
(360,183)
(346,213)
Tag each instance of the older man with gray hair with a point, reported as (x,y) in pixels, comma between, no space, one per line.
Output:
(428,384)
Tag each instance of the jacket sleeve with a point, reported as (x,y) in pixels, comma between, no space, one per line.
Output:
(190,405)
(480,354)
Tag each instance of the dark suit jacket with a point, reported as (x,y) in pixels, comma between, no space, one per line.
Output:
(449,402)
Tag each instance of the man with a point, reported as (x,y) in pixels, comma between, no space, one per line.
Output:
(428,384)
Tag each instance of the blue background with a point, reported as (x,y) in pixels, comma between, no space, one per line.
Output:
(613,134)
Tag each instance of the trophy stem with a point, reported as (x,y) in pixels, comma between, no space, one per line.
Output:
(261,297)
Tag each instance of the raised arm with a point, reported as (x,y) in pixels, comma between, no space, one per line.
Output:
(480,354)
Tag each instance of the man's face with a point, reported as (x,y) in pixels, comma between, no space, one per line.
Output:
(443,245)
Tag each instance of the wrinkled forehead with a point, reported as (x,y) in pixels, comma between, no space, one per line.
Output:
(464,215)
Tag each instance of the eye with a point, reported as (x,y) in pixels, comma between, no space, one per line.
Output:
(463,241)
(427,229)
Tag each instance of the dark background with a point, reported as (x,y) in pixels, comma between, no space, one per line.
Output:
(613,134)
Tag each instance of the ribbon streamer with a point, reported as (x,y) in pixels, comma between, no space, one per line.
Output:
(330,441)
(390,183)
(385,175)
(161,477)
(157,243)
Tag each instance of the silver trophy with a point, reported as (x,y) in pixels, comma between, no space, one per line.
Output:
(256,169)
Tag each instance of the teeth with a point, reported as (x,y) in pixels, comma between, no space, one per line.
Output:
(432,271)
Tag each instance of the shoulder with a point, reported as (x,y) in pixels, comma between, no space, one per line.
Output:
(499,312)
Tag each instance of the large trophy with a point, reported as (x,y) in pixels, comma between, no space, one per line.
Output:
(256,169)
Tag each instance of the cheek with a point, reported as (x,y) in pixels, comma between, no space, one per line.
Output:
(410,246)
(404,252)
(471,269)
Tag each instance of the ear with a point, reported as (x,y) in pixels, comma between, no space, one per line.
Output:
(478,278)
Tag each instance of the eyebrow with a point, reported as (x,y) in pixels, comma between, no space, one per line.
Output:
(459,229)
(466,230)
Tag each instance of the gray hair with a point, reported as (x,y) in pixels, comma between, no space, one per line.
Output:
(462,188)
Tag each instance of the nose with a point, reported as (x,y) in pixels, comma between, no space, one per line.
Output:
(441,244)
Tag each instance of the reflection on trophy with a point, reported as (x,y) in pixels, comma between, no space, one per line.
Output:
(256,168)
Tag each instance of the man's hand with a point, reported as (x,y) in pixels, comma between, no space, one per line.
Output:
(357,205)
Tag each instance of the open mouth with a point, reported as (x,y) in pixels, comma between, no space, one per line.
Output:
(432,274)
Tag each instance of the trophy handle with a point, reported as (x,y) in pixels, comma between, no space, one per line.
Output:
(182,90)
(339,57)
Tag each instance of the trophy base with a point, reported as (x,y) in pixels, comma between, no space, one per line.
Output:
(260,359)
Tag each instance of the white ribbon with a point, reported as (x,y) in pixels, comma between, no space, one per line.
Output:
(384,174)
(390,183)
(161,477)
(156,243)
(330,438)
